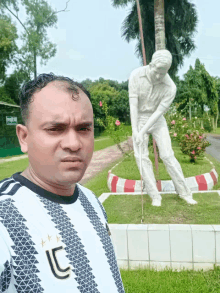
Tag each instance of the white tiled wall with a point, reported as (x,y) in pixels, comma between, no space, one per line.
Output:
(166,246)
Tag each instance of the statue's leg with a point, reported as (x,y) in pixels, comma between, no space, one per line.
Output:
(162,137)
(147,171)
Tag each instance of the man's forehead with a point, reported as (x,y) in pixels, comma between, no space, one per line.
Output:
(161,67)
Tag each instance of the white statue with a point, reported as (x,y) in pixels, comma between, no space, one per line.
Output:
(151,92)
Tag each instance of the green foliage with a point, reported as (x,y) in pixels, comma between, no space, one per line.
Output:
(8,35)
(113,127)
(117,101)
(13,84)
(39,17)
(197,90)
(4,97)
(180,26)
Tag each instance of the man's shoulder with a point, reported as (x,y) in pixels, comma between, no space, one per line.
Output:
(5,185)
(93,199)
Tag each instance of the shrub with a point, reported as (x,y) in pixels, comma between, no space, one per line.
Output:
(193,144)
(114,128)
(189,134)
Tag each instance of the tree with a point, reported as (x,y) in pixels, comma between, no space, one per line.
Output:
(117,101)
(13,82)
(36,44)
(199,88)
(180,26)
(8,35)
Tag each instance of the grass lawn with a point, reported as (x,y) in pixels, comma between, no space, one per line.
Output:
(9,168)
(102,143)
(126,209)
(167,281)
(128,168)
(217,131)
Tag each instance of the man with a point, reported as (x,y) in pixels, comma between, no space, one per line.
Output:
(53,231)
(151,92)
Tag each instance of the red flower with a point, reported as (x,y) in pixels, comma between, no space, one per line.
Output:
(117,122)
(173,122)
(193,152)
(184,118)
(198,148)
(100,104)
(175,134)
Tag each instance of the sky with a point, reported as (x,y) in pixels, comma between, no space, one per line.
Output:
(89,42)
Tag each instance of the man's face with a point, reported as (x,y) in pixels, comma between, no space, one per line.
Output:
(60,138)
(157,72)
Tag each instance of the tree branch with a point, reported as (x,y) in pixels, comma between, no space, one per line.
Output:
(64,10)
(55,12)
(16,16)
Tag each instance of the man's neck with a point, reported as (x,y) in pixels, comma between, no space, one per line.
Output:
(51,187)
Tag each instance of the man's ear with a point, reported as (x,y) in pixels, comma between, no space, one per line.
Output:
(22,134)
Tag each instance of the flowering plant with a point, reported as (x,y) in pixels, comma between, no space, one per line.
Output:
(114,128)
(193,144)
(188,134)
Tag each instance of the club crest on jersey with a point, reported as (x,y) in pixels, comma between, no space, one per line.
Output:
(58,272)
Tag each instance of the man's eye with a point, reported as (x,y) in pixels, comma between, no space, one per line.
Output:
(85,129)
(55,129)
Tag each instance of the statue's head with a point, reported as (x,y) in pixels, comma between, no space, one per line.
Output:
(160,64)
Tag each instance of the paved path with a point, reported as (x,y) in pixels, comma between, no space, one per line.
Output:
(101,159)
(214,148)
(16,158)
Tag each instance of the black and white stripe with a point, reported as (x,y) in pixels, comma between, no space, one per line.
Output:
(24,260)
(5,277)
(74,247)
(104,238)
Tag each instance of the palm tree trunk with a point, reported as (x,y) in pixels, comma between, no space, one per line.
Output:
(159,25)
(141,32)
(145,63)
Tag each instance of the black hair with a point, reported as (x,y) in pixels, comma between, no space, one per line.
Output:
(35,85)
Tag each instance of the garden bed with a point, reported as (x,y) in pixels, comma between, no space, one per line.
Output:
(128,168)
(126,209)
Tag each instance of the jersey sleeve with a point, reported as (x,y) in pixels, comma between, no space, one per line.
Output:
(5,262)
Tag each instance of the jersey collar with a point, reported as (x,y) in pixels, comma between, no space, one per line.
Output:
(45,193)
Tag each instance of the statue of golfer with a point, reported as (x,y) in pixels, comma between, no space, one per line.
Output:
(151,92)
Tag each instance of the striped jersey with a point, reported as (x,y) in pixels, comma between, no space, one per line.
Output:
(51,243)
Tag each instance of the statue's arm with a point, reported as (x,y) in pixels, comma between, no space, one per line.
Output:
(161,109)
(153,118)
(133,102)
(134,113)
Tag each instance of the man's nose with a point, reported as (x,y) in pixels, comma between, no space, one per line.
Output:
(71,141)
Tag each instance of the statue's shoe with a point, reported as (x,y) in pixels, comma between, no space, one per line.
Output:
(156,202)
(189,200)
